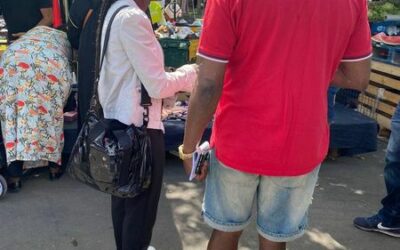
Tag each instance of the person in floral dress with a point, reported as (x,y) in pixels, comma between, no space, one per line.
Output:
(35,77)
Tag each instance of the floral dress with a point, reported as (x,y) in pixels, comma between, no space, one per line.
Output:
(35,77)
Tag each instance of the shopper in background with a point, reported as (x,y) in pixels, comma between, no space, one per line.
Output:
(387,220)
(332,91)
(135,57)
(82,35)
(267,77)
(79,14)
(23,15)
(35,78)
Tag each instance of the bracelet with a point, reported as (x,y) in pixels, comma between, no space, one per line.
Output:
(182,155)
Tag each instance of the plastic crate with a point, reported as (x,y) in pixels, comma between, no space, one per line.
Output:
(396,56)
(389,27)
(386,53)
(382,52)
(176,51)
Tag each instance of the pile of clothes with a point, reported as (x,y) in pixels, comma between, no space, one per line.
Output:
(3,29)
(175,112)
(180,30)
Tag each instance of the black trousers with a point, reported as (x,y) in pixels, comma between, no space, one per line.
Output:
(134,218)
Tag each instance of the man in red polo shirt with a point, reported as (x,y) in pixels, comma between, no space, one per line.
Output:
(265,68)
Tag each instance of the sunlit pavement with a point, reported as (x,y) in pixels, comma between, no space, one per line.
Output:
(67,215)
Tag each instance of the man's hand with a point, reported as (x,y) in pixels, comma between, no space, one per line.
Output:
(47,17)
(187,164)
(203,102)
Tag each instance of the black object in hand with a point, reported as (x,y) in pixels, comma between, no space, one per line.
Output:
(203,158)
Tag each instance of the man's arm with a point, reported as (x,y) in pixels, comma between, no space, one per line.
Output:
(203,102)
(353,75)
(47,19)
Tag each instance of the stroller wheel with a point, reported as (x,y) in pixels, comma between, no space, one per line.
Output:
(3,187)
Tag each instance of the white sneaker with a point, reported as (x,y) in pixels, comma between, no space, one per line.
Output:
(151,248)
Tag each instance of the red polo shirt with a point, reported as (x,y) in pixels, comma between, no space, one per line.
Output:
(281,57)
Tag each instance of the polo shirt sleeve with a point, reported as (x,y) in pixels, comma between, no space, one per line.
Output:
(359,47)
(218,36)
(45,4)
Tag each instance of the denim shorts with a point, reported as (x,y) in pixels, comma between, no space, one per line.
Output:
(282,202)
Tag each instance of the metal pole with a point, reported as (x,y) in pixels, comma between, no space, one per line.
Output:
(66,10)
(193,8)
(175,10)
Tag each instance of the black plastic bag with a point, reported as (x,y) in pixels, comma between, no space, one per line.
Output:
(102,151)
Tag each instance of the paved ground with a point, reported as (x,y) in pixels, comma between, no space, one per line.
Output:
(66,215)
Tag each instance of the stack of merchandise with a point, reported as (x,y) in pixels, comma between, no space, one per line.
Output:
(179,42)
(179,30)
(386,48)
(178,111)
(384,17)
(3,29)
(3,35)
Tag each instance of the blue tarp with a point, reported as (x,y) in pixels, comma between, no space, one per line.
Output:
(174,130)
(353,132)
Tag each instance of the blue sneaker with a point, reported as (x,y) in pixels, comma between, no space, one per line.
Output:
(374,224)
(369,224)
(391,231)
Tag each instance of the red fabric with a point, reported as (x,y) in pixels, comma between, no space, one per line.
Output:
(272,115)
(57,20)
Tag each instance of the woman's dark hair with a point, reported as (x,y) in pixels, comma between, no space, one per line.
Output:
(99,15)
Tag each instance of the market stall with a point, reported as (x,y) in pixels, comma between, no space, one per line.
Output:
(359,116)
(179,37)
(383,94)
(352,132)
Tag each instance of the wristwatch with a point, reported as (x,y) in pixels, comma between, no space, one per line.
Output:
(182,155)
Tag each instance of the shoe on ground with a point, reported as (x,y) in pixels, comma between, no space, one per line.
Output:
(391,231)
(14,187)
(374,224)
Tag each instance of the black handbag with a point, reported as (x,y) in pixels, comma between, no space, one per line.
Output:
(105,148)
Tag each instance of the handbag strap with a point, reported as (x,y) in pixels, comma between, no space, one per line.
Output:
(95,106)
(145,101)
(107,36)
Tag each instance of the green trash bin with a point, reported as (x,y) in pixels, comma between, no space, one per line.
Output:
(176,51)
